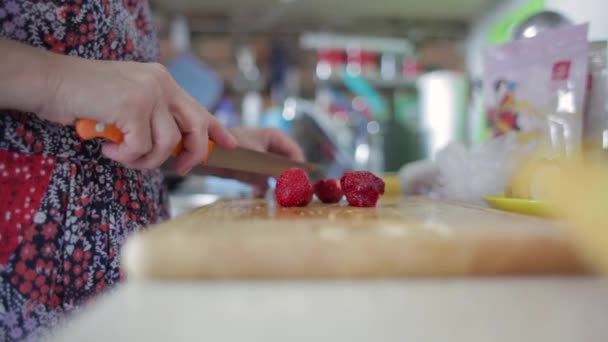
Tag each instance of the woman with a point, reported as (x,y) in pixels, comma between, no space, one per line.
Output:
(67,205)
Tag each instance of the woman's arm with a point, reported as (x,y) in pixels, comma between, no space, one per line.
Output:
(25,77)
(141,99)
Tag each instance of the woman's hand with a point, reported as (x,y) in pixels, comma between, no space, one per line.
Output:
(141,99)
(262,140)
(145,103)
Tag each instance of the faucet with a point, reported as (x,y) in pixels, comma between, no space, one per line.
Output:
(336,146)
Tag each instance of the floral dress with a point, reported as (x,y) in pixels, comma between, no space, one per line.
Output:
(64,209)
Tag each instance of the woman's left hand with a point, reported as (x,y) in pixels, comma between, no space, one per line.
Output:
(262,140)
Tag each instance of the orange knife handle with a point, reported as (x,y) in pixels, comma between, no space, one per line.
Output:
(210,146)
(180,147)
(90,129)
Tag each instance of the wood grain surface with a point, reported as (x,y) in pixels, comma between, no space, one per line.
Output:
(401,237)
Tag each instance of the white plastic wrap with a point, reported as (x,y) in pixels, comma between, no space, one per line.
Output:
(465,175)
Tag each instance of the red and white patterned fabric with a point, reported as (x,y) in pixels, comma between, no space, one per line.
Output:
(64,209)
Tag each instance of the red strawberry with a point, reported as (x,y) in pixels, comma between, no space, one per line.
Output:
(362,188)
(328,190)
(293,188)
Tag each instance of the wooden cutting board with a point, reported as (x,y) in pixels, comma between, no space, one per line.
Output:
(408,237)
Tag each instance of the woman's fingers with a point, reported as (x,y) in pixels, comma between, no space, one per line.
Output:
(137,143)
(193,127)
(194,151)
(166,136)
(216,131)
(197,126)
(220,134)
(279,143)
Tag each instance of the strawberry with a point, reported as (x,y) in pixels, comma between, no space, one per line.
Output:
(362,188)
(293,188)
(328,190)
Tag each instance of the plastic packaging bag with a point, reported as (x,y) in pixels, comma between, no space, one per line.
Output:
(536,88)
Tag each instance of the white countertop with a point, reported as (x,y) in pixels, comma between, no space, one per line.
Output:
(497,309)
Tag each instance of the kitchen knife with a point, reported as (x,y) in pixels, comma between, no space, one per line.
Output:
(240,158)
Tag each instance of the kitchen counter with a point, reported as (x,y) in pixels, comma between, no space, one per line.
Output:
(463,309)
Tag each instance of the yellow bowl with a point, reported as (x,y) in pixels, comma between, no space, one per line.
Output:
(521,206)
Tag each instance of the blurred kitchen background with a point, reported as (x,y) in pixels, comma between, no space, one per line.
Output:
(369,85)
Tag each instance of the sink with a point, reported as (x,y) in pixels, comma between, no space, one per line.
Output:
(184,203)
(198,191)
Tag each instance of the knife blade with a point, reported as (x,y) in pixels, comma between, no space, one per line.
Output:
(239,159)
(243,159)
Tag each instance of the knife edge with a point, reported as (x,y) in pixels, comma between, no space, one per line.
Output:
(247,160)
